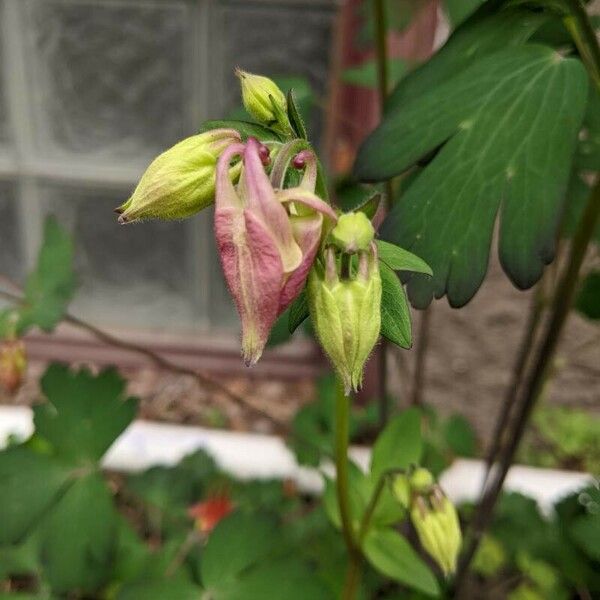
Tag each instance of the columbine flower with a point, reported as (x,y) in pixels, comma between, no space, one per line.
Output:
(207,514)
(345,304)
(267,241)
(181,181)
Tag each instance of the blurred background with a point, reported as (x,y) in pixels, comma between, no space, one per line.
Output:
(92,90)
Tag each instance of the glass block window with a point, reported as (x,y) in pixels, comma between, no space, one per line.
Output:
(90,91)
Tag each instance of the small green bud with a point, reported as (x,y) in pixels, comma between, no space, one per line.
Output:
(181,181)
(263,99)
(401,490)
(345,312)
(421,480)
(436,522)
(353,232)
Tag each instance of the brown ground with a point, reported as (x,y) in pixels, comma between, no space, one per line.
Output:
(471,354)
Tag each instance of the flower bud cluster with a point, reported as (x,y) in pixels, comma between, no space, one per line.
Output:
(344,295)
(433,516)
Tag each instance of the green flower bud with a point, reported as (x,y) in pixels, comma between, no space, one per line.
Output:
(181,181)
(264,100)
(421,480)
(437,525)
(401,490)
(345,312)
(353,232)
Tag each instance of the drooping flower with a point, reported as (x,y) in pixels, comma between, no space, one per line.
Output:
(344,302)
(181,181)
(267,240)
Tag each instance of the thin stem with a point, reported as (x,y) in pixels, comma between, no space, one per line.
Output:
(164,363)
(342,418)
(534,385)
(420,359)
(523,354)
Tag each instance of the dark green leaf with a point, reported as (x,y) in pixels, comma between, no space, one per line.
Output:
(365,74)
(280,332)
(585,530)
(245,128)
(459,10)
(393,556)
(398,259)
(399,445)
(304,97)
(395,312)
(50,287)
(85,413)
(510,148)
(578,193)
(298,311)
(77,538)
(237,542)
(480,36)
(284,578)
(294,117)
(160,589)
(351,196)
(588,300)
(29,485)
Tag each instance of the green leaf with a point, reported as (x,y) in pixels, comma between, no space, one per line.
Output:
(237,542)
(460,436)
(284,578)
(365,74)
(393,556)
(50,287)
(298,311)
(395,312)
(294,117)
(351,195)
(578,193)
(459,10)
(482,35)
(398,259)
(510,144)
(245,128)
(280,332)
(588,300)
(399,445)
(29,485)
(77,538)
(585,531)
(85,413)
(160,589)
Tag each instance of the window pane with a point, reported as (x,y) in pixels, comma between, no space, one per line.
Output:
(109,78)
(135,275)
(3,108)
(274,41)
(10,251)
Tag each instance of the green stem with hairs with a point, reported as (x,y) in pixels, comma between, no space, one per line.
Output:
(342,419)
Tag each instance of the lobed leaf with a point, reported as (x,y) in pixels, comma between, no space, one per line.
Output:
(508,127)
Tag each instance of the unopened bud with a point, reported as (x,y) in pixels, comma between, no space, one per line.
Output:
(181,181)
(345,311)
(436,522)
(13,364)
(421,480)
(264,100)
(353,232)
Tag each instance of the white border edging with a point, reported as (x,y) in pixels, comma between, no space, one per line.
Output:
(255,456)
